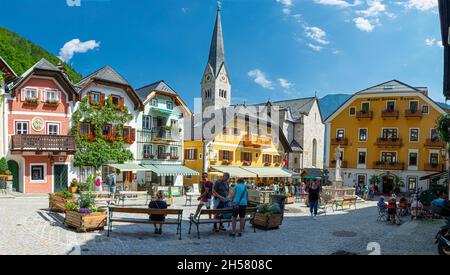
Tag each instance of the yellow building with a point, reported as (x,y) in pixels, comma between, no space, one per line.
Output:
(387,131)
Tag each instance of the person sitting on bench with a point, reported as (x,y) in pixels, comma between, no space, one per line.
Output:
(159,203)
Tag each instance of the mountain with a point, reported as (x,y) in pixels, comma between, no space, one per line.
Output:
(21,54)
(330,103)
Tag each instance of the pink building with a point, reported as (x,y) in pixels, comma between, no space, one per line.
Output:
(39,113)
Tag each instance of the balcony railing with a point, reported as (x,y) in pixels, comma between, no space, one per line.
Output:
(41,143)
(166,134)
(339,141)
(388,165)
(256,140)
(343,164)
(435,167)
(390,114)
(413,114)
(364,115)
(434,143)
(389,142)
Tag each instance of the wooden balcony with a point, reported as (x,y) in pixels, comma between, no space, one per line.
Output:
(390,114)
(257,140)
(389,142)
(43,143)
(343,164)
(435,167)
(339,141)
(434,143)
(364,115)
(388,165)
(413,114)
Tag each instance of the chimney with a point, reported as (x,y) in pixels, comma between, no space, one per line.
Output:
(61,67)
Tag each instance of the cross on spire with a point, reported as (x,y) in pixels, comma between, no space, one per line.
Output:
(219,5)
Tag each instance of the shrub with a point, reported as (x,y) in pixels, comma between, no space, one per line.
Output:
(3,165)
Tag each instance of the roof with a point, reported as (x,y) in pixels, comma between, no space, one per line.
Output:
(161,86)
(107,74)
(295,146)
(394,87)
(5,68)
(297,107)
(217,50)
(313,172)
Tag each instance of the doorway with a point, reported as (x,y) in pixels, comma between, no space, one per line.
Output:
(387,182)
(13,166)
(60,177)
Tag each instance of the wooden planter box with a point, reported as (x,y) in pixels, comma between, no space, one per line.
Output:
(58,203)
(290,200)
(86,222)
(267,222)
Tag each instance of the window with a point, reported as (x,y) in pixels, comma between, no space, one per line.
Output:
(434,135)
(295,160)
(390,106)
(115,100)
(147,152)
(414,106)
(362,134)
(31,93)
(267,158)
(340,133)
(314,153)
(169,105)
(53,129)
(361,179)
(389,157)
(412,184)
(352,111)
(390,133)
(425,109)
(365,107)
(434,158)
(247,156)
(174,152)
(191,154)
(85,128)
(226,155)
(236,131)
(154,102)
(106,130)
(146,122)
(414,135)
(37,172)
(95,97)
(21,128)
(225,131)
(362,158)
(51,95)
(277,159)
(412,159)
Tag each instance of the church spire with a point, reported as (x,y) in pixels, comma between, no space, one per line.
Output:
(217,50)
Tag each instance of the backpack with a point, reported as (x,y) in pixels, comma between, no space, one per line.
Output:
(108,180)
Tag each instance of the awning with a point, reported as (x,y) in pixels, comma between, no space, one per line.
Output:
(312,172)
(268,172)
(234,171)
(170,170)
(440,175)
(128,167)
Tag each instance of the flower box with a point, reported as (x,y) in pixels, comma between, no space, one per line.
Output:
(51,103)
(82,222)
(31,101)
(57,203)
(266,222)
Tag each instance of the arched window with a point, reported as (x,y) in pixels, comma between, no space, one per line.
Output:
(314,153)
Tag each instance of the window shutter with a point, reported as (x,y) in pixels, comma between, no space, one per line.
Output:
(22,95)
(122,102)
(133,133)
(231,156)
(251,157)
(79,127)
(220,155)
(58,95)
(186,154)
(242,156)
(44,95)
(195,153)
(102,99)
(92,129)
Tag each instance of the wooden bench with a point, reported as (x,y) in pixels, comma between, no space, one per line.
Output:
(127,195)
(145,211)
(217,214)
(345,202)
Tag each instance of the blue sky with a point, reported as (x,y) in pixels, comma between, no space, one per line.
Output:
(293,48)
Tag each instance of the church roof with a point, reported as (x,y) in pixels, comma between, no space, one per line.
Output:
(217,51)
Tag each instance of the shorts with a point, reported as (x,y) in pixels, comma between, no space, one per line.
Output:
(239,212)
(206,203)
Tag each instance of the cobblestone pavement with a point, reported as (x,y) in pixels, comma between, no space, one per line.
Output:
(27,227)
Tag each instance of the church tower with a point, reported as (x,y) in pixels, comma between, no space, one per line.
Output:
(216,86)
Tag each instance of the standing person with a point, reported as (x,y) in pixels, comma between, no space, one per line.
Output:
(159,203)
(98,183)
(220,193)
(112,178)
(314,195)
(239,198)
(365,192)
(205,197)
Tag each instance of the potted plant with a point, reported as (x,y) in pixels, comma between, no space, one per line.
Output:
(142,186)
(268,217)
(83,215)
(73,186)
(169,198)
(57,201)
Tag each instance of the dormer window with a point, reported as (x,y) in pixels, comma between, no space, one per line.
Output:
(154,102)
(29,93)
(51,96)
(95,97)
(169,105)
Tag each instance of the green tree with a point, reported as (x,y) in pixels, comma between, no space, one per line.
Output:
(3,165)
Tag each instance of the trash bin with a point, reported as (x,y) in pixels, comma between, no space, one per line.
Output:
(280,199)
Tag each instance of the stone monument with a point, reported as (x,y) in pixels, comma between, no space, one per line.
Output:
(337,175)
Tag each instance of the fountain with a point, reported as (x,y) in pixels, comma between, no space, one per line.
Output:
(337,190)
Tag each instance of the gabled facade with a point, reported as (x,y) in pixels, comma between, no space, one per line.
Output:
(102,87)
(7,74)
(388,131)
(39,107)
(159,137)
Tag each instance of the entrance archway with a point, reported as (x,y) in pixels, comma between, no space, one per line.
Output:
(387,184)
(13,166)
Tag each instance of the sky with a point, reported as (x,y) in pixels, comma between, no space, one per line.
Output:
(275,49)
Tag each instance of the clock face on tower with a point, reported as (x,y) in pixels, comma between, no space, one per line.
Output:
(223,78)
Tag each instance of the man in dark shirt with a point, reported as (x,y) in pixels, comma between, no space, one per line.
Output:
(206,192)
(220,193)
(313,195)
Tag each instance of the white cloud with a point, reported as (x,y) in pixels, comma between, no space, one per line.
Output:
(338,3)
(430,42)
(74,46)
(284,83)
(287,5)
(375,7)
(363,24)
(422,5)
(316,48)
(317,34)
(261,79)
